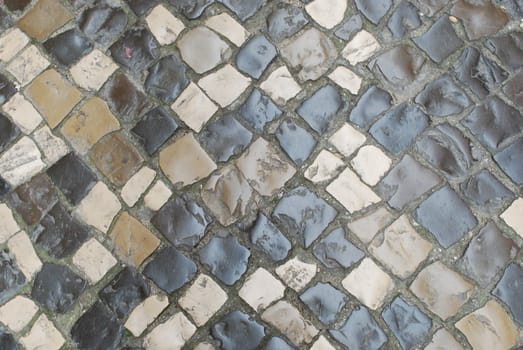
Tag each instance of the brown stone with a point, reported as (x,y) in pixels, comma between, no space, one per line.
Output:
(133,242)
(44,18)
(480,18)
(116,158)
(53,96)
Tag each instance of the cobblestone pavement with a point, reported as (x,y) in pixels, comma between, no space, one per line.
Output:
(261,174)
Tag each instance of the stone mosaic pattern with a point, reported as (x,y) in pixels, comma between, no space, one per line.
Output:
(261,174)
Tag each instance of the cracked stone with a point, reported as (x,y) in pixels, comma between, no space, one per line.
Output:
(320,109)
(509,161)
(360,331)
(238,331)
(295,141)
(244,9)
(404,19)
(290,322)
(349,27)
(125,98)
(442,97)
(373,10)
(68,47)
(11,43)
(480,18)
(154,129)
(440,40)
(509,292)
(285,21)
(400,65)
(135,50)
(324,301)
(509,48)
(103,23)
(268,238)
(228,27)
(370,105)
(225,138)
(258,110)
(170,270)
(44,18)
(255,56)
(11,278)
(486,191)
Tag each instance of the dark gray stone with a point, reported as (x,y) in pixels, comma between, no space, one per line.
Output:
(360,331)
(320,109)
(7,89)
(325,301)
(237,331)
(103,23)
(170,269)
(486,191)
(443,97)
(276,343)
(514,7)
(8,131)
(141,7)
(258,110)
(400,66)
(267,237)
(68,47)
(7,341)
(509,48)
(508,290)
(154,129)
(297,142)
(244,9)
(191,9)
(255,56)
(510,160)
(349,27)
(225,138)
(167,79)
(97,329)
(404,19)
(284,21)
(372,103)
(11,278)
(16,5)
(4,187)
(135,50)
(337,251)
(374,10)
(125,98)
(439,41)
(513,89)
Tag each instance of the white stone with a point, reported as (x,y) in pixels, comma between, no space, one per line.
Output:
(367,226)
(203,299)
(99,207)
(22,112)
(327,13)
(11,43)
(228,27)
(53,147)
(281,86)
(92,71)
(513,216)
(21,248)
(322,344)
(347,140)
(8,225)
(261,289)
(296,274)
(27,65)
(157,196)
(225,85)
(325,167)
(145,313)
(443,340)
(137,185)
(43,335)
(170,335)
(290,322)
(369,283)
(347,79)
(353,194)
(94,260)
(18,312)
(360,48)
(204,346)
(21,162)
(194,107)
(371,164)
(164,25)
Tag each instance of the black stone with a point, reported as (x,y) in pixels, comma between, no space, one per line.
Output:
(443,97)
(349,27)
(170,269)
(16,5)
(337,251)
(509,48)
(399,127)
(7,341)
(182,221)
(155,128)
(479,73)
(59,234)
(103,23)
(320,109)
(140,7)
(360,331)
(304,214)
(284,21)
(276,343)
(237,331)
(225,258)
(7,89)
(56,287)
(325,301)
(408,324)
(225,138)
(8,132)
(4,187)
(508,290)
(192,9)
(258,110)
(446,216)
(255,56)
(72,177)
(297,142)
(374,10)
(404,19)
(510,160)
(97,329)
(68,47)
(486,191)
(267,237)
(371,104)
(11,278)
(125,99)
(124,292)
(439,41)
(244,9)
(167,79)
(135,50)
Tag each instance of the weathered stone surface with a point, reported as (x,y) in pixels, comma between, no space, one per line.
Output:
(228,27)
(404,19)
(374,10)
(172,334)
(325,167)
(193,107)
(228,76)
(276,343)
(244,9)
(93,260)
(442,97)
(285,21)
(281,86)
(349,27)
(17,313)
(371,163)
(154,129)
(360,331)
(43,334)
(509,48)
(351,192)
(430,7)
(225,138)
(163,24)
(290,322)
(512,89)
(442,339)
(11,278)
(296,274)
(255,56)
(320,109)
(145,313)
(125,98)
(508,290)
(68,47)
(366,227)
(261,289)
(102,22)
(509,160)
(325,301)
(93,70)
(135,50)
(166,79)
(237,330)
(296,141)
(21,162)
(400,65)
(480,18)
(268,238)
(327,13)
(362,47)
(44,18)
(191,8)
(7,89)
(485,190)
(372,103)
(439,41)
(258,110)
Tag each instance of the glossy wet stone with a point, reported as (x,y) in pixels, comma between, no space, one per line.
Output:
(486,191)
(255,56)
(284,21)
(182,221)
(398,128)
(125,98)
(170,270)
(11,278)
(103,23)
(72,177)
(446,216)
(320,109)
(494,122)
(325,301)
(7,89)
(125,292)
(56,287)
(154,129)
(513,89)
(258,110)
(34,199)
(479,73)
(225,138)
(443,97)
(68,47)
(244,9)
(238,331)
(399,65)
(269,239)
(135,50)
(166,79)
(276,343)
(304,214)
(439,41)
(97,328)
(509,161)
(508,290)
(296,141)
(360,331)
(409,325)
(480,18)
(509,48)
(373,10)
(349,27)
(404,19)
(335,250)
(372,103)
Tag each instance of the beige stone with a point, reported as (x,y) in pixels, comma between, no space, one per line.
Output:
(261,289)
(157,196)
(93,70)
(367,226)
(371,164)
(170,335)
(290,322)
(22,112)
(44,18)
(21,162)
(137,185)
(443,340)
(18,312)
(443,291)
(353,194)
(362,46)
(369,284)
(164,25)
(11,43)
(145,313)
(204,346)
(347,140)
(280,86)
(194,107)
(325,167)
(296,274)
(228,27)
(8,225)
(93,121)
(21,248)
(43,335)
(94,260)
(225,85)
(27,65)
(327,13)
(99,207)
(322,344)
(513,216)
(347,79)
(53,147)
(489,328)
(185,162)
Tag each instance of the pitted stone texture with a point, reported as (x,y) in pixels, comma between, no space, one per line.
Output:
(486,191)
(324,301)
(361,47)
(255,56)
(228,76)
(372,103)
(172,334)
(166,79)
(258,110)
(508,290)
(509,48)
(443,97)
(44,18)
(351,192)
(374,10)
(327,13)
(295,141)
(321,108)
(480,18)
(269,239)
(238,331)
(193,107)
(285,21)
(154,129)
(225,138)
(404,19)
(68,47)
(202,49)
(290,322)
(335,250)
(439,41)
(509,161)
(125,98)
(296,274)
(360,331)
(103,22)
(280,85)
(261,289)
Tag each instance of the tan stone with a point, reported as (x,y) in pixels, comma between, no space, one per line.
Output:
(53,96)
(261,289)
(21,162)
(327,13)
(90,124)
(362,46)
(185,162)
(21,248)
(157,196)
(296,274)
(43,335)
(23,114)
(290,322)
(145,313)
(194,107)
(94,260)
(367,226)
(204,346)
(164,25)
(137,185)
(228,27)
(93,70)
(347,79)
(133,242)
(225,85)
(11,43)
(99,207)
(347,140)
(27,65)
(443,291)
(8,225)
(53,147)
(170,335)
(443,340)
(324,168)
(18,312)
(280,86)
(371,164)
(353,194)
(513,216)
(44,18)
